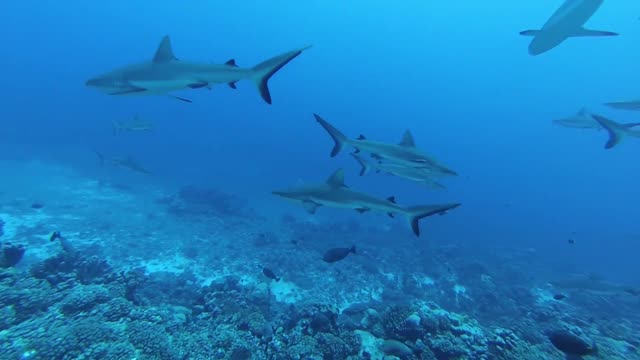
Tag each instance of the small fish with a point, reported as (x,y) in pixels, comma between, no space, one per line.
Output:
(571,241)
(571,344)
(269,273)
(559,297)
(37,206)
(337,254)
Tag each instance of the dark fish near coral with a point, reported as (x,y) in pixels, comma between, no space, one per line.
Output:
(269,273)
(559,297)
(571,344)
(337,254)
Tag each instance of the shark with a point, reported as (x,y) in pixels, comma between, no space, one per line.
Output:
(335,194)
(165,73)
(584,119)
(566,22)
(616,130)
(128,163)
(135,124)
(633,105)
(404,153)
(422,176)
(592,284)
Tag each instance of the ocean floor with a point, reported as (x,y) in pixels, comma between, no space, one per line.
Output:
(143,272)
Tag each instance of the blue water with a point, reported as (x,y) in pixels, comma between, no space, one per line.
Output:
(456,73)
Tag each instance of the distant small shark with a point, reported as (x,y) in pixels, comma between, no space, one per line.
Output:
(126,163)
(165,73)
(584,119)
(135,124)
(422,176)
(405,153)
(633,105)
(615,130)
(592,284)
(334,193)
(567,21)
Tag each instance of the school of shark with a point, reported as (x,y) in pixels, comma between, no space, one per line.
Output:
(164,74)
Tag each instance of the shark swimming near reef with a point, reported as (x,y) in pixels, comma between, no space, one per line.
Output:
(566,22)
(334,193)
(166,73)
(633,105)
(128,163)
(405,153)
(136,124)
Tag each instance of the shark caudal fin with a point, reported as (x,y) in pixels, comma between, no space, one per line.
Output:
(616,131)
(339,138)
(364,166)
(262,72)
(416,213)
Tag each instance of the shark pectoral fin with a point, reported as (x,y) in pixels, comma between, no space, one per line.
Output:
(310,206)
(631,125)
(529,32)
(131,90)
(198,85)
(589,33)
(232,85)
(179,98)
(614,130)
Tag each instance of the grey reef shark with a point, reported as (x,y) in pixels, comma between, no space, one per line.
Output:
(165,73)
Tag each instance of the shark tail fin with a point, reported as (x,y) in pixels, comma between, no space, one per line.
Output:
(364,166)
(262,72)
(417,213)
(615,131)
(339,138)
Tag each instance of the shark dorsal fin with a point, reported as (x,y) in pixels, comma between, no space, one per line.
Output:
(164,54)
(392,199)
(336,180)
(231,62)
(361,137)
(407,139)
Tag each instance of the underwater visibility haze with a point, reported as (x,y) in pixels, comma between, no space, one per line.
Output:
(320,180)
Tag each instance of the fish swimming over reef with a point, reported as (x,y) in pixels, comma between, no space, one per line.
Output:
(337,254)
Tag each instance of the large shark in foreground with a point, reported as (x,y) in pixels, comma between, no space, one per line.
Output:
(568,21)
(405,153)
(334,193)
(615,130)
(166,73)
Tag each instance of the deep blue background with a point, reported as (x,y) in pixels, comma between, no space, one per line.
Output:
(454,72)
